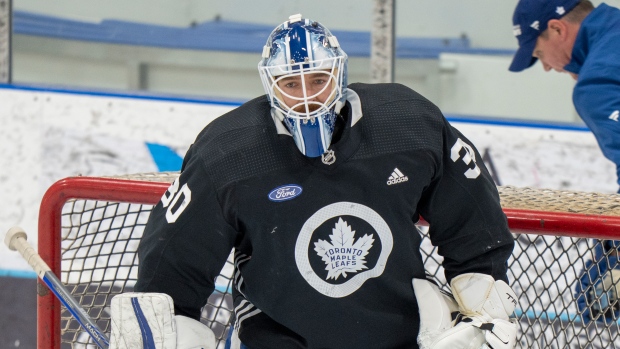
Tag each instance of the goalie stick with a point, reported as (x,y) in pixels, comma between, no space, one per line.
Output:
(15,239)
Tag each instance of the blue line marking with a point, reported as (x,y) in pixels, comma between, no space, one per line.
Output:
(134,95)
(551,316)
(516,123)
(472,119)
(548,315)
(223,289)
(21,274)
(8,273)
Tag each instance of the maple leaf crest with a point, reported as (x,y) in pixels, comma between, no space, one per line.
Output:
(343,255)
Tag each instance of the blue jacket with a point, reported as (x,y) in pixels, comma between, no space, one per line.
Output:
(596,60)
(588,290)
(588,294)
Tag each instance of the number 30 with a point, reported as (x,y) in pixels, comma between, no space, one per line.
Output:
(172,196)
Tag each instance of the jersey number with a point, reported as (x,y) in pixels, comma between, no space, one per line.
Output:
(171,198)
(468,157)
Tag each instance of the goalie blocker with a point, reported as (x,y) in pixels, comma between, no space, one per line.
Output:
(147,320)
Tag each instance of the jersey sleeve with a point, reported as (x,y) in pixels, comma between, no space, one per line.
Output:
(186,240)
(463,210)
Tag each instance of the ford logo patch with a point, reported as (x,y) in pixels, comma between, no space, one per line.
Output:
(285,192)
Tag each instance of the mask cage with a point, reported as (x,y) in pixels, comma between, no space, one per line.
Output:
(304,108)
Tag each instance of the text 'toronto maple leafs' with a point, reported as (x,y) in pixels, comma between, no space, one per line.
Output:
(343,255)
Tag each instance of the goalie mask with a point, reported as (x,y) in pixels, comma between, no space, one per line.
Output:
(303,71)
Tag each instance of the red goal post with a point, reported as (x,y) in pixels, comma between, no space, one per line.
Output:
(89,228)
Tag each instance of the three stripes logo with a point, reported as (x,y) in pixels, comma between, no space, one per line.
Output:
(397,177)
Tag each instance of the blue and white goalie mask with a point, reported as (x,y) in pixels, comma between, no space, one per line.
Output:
(304,71)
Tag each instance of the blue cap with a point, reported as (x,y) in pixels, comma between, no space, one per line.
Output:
(529,20)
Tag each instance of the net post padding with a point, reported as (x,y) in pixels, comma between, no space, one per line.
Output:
(528,210)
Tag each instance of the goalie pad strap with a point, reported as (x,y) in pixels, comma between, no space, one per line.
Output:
(486,326)
(498,333)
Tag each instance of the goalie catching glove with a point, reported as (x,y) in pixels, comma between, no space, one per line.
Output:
(476,318)
(147,320)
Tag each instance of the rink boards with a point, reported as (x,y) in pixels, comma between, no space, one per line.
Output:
(51,134)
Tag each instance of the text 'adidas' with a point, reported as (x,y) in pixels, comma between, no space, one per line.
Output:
(397,177)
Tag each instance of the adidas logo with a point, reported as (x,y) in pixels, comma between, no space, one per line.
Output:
(614,115)
(397,177)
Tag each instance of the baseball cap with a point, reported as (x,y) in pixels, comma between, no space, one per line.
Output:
(529,20)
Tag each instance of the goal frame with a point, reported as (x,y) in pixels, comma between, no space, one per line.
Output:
(522,221)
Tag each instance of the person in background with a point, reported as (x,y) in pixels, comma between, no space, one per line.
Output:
(574,37)
(577,38)
(598,290)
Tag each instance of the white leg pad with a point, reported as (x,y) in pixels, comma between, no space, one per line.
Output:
(435,307)
(436,324)
(147,320)
(142,319)
(192,334)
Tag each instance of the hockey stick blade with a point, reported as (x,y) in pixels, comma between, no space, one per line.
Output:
(15,239)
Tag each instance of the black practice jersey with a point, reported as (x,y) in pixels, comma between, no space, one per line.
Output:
(325,253)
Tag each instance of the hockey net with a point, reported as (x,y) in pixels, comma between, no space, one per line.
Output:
(89,229)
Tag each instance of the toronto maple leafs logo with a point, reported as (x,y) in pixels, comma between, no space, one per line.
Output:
(327,241)
(343,254)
